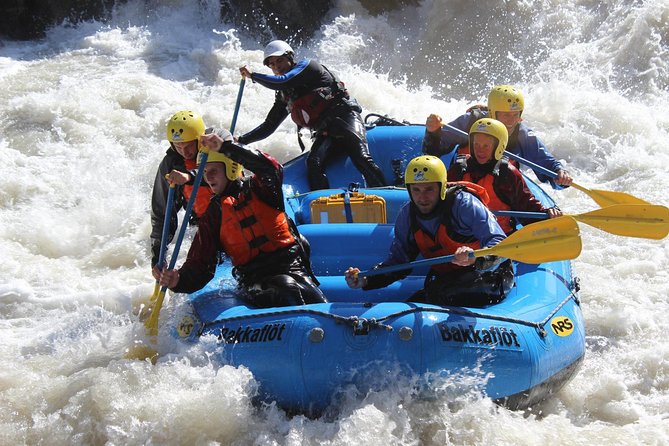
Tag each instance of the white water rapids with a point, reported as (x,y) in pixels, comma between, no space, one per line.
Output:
(83,114)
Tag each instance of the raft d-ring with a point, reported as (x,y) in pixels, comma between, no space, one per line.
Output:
(316,335)
(361,327)
(406,333)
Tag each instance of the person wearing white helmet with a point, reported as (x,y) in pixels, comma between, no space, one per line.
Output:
(315,99)
(488,168)
(438,220)
(246,221)
(505,104)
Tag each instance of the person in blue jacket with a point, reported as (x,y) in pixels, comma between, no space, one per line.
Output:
(317,100)
(440,220)
(505,104)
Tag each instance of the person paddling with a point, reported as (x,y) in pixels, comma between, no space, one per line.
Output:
(246,221)
(315,99)
(184,128)
(505,104)
(488,168)
(441,220)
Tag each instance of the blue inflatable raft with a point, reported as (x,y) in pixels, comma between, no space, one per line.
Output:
(527,346)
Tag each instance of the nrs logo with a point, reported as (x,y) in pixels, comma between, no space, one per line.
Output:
(185,327)
(562,326)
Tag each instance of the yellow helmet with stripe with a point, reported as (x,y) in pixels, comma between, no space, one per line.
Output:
(426,169)
(233,169)
(494,128)
(505,98)
(184,126)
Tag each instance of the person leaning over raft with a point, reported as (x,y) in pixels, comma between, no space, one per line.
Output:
(246,221)
(488,168)
(184,129)
(317,100)
(505,104)
(441,220)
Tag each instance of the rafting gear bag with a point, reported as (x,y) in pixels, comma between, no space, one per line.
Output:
(349,207)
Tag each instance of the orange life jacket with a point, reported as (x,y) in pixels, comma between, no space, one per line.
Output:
(204,193)
(446,240)
(249,226)
(496,203)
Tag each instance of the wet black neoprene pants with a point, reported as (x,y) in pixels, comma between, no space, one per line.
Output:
(344,133)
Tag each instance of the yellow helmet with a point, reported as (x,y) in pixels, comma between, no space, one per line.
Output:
(494,128)
(505,98)
(426,169)
(233,169)
(185,126)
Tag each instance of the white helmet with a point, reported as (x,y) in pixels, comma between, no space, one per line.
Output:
(277,48)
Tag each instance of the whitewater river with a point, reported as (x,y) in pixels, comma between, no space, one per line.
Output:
(83,115)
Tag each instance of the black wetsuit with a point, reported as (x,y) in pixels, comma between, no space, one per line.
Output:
(339,129)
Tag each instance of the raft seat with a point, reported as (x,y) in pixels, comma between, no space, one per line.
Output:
(366,244)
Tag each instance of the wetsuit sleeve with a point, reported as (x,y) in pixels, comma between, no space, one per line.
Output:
(200,264)
(444,141)
(159,204)
(470,217)
(520,197)
(298,76)
(473,218)
(274,118)
(532,149)
(454,173)
(403,249)
(268,177)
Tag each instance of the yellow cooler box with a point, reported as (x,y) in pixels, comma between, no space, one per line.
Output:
(361,209)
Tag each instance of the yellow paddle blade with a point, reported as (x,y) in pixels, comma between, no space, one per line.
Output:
(630,220)
(142,352)
(151,324)
(608,198)
(543,241)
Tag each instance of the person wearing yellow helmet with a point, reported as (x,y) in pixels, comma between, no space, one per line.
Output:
(246,221)
(442,219)
(315,99)
(183,130)
(506,104)
(488,168)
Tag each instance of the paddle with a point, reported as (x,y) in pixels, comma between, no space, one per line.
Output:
(240,92)
(546,241)
(602,197)
(629,220)
(143,351)
(163,239)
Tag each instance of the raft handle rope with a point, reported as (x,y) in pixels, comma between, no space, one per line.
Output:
(360,325)
(384,120)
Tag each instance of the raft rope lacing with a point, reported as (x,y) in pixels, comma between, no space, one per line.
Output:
(362,325)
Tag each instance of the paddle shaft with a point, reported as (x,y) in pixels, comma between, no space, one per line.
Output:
(166,225)
(237,105)
(521,214)
(628,220)
(513,156)
(189,209)
(546,241)
(151,323)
